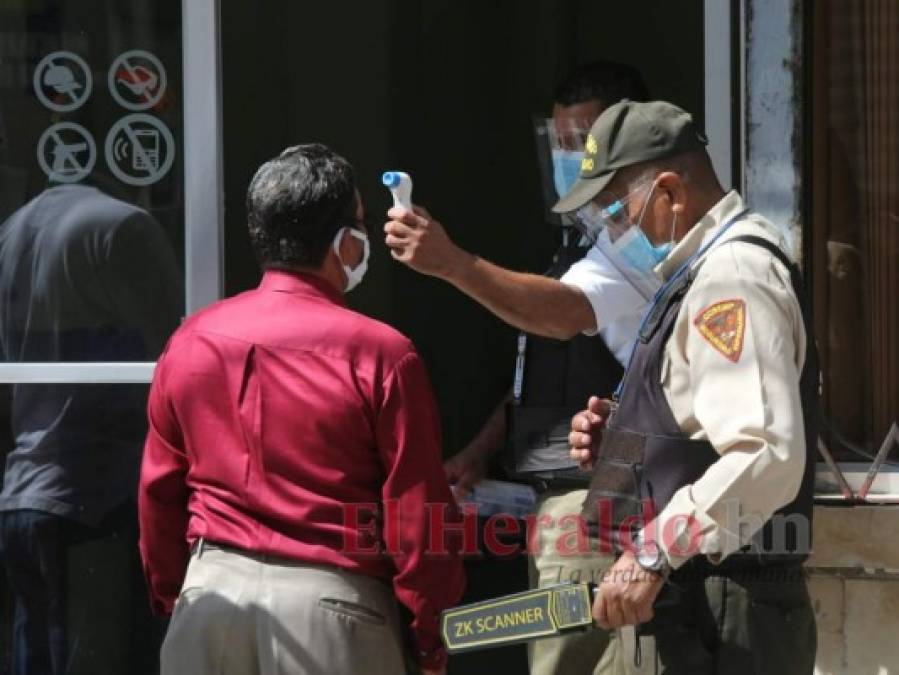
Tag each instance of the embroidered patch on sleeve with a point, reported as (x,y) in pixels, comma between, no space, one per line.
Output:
(722,325)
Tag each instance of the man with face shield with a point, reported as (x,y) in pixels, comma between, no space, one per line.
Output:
(704,459)
(578,323)
(292,467)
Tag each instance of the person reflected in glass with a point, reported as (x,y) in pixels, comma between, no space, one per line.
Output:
(84,277)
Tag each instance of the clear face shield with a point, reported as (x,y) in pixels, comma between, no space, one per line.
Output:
(605,222)
(560,148)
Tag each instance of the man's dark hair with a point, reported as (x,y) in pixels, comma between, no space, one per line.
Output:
(604,81)
(297,202)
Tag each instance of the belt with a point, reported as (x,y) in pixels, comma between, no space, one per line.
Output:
(202,544)
(541,485)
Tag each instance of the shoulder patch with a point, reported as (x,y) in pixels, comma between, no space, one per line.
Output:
(723,325)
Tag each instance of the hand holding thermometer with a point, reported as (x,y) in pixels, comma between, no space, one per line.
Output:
(415,239)
(400,186)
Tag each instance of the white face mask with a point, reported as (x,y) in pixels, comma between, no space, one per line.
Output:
(353,276)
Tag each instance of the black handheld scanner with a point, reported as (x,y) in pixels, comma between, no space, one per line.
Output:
(521,617)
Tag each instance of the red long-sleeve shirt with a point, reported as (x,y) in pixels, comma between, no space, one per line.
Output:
(272,411)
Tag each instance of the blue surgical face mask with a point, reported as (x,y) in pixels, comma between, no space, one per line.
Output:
(634,246)
(566,169)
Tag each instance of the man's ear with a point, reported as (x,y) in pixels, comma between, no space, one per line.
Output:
(678,197)
(350,249)
(342,245)
(672,188)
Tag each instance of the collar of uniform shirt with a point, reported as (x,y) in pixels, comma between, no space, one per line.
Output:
(289,281)
(727,207)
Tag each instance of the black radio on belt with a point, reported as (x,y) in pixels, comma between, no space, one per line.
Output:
(553,380)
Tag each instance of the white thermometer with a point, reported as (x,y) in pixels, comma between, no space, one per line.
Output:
(400,186)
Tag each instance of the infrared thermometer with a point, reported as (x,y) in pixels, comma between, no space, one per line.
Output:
(400,186)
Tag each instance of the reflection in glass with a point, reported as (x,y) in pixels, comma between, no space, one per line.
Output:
(91,259)
(855,212)
(83,277)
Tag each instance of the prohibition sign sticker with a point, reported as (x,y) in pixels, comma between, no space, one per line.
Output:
(66,152)
(62,81)
(137,80)
(139,149)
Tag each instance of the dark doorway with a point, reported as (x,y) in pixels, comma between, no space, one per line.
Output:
(445,90)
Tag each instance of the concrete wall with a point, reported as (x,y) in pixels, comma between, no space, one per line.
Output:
(854,583)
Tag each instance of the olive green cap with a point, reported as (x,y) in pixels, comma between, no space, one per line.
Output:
(629,133)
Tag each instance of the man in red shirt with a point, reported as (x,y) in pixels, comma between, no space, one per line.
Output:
(292,465)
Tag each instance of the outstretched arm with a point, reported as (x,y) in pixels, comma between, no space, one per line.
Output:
(530,302)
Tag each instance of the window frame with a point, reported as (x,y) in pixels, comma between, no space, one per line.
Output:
(203,201)
(775,76)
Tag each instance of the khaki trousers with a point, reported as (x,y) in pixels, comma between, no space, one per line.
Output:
(245,614)
(576,653)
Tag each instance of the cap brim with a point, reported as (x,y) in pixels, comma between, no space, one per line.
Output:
(583,190)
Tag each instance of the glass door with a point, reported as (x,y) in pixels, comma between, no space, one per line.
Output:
(98,178)
(92,252)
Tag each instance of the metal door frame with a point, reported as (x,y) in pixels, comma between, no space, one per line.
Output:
(719,90)
(203,200)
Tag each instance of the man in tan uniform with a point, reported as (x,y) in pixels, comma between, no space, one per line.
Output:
(703,464)
(578,324)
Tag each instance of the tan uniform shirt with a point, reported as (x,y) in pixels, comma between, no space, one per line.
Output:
(730,373)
